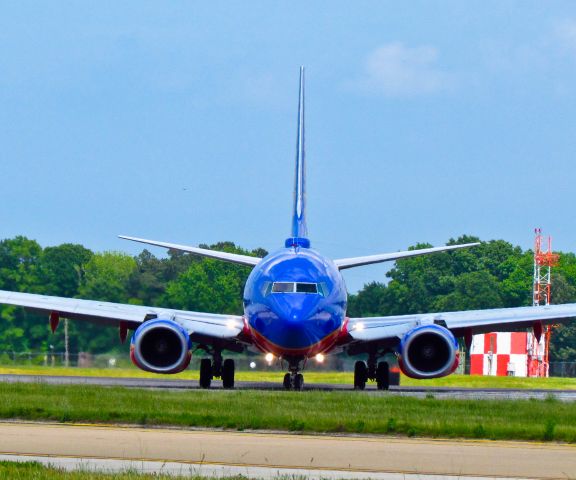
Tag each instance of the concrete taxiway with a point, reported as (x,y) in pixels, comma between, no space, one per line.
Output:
(269,455)
(421,392)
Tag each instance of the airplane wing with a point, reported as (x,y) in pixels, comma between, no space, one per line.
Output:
(343,263)
(375,329)
(197,324)
(228,257)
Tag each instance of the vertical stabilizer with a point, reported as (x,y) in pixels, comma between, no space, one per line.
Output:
(299,227)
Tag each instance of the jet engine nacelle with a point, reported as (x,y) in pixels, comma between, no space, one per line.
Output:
(160,346)
(429,351)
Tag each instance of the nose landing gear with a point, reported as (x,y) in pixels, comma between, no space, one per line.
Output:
(294,380)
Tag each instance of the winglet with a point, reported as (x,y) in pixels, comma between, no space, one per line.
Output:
(299,227)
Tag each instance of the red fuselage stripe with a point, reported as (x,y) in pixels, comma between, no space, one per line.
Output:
(321,346)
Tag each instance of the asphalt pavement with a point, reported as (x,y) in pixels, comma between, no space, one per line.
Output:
(271,455)
(419,392)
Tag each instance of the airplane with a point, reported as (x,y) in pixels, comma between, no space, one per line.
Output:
(295,309)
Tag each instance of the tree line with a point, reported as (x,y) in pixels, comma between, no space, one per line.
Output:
(179,281)
(494,274)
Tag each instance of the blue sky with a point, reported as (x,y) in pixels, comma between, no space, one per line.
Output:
(177,121)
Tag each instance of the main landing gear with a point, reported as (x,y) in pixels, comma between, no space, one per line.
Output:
(294,380)
(216,368)
(373,370)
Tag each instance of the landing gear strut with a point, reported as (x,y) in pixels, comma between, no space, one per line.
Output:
(294,380)
(216,368)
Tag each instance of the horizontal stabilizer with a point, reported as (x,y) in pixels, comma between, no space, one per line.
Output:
(227,257)
(343,263)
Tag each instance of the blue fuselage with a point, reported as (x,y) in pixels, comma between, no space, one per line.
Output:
(295,303)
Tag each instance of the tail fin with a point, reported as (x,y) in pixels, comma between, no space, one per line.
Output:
(299,227)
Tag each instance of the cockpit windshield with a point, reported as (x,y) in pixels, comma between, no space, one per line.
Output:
(297,287)
(310,288)
(306,288)
(283,287)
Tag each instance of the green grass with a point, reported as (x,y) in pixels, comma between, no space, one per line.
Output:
(311,411)
(478,381)
(36,471)
(463,381)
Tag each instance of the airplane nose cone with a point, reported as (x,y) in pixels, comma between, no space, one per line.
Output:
(293,307)
(297,321)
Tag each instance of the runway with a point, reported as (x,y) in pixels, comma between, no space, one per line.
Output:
(278,454)
(420,392)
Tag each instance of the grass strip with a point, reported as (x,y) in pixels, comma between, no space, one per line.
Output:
(347,378)
(37,471)
(309,411)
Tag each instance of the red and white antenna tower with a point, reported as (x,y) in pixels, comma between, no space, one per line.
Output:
(538,345)
(543,261)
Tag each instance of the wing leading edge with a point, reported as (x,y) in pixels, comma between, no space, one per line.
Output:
(470,322)
(106,313)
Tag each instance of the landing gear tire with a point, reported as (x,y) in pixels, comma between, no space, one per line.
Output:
(293,381)
(205,373)
(360,375)
(383,376)
(228,369)
(394,378)
(298,382)
(286,381)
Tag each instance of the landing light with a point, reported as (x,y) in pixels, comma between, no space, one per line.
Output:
(231,324)
(359,326)
(320,358)
(269,357)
